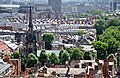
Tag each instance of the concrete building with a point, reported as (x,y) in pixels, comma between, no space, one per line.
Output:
(114,6)
(56,7)
(44,11)
(77,9)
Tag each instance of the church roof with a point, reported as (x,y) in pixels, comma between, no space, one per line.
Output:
(30,18)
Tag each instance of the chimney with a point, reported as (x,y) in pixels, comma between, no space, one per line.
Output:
(91,73)
(105,69)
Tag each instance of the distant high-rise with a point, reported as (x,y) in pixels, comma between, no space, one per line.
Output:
(56,7)
(114,5)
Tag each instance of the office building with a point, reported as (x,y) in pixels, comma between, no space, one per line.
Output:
(114,6)
(56,7)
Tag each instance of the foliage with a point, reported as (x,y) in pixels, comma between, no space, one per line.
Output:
(74,15)
(11,56)
(60,54)
(101,48)
(80,32)
(100,25)
(31,60)
(43,57)
(23,62)
(64,16)
(48,38)
(84,15)
(113,45)
(111,36)
(109,33)
(99,12)
(15,55)
(69,50)
(54,59)
(113,22)
(65,57)
(87,55)
(76,54)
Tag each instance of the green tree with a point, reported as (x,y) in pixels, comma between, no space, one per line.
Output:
(48,38)
(31,60)
(80,32)
(100,25)
(99,12)
(111,32)
(69,50)
(43,57)
(74,15)
(84,15)
(54,59)
(113,22)
(111,36)
(60,54)
(76,54)
(87,55)
(65,57)
(101,48)
(113,45)
(23,62)
(15,55)
(64,16)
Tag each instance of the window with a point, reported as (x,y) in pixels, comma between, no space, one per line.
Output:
(76,66)
(83,66)
(110,67)
(96,67)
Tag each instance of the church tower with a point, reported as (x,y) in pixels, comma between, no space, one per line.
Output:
(31,37)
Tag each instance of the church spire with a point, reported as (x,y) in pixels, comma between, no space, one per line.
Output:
(30,19)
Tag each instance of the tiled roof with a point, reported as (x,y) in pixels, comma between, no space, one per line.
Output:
(4,48)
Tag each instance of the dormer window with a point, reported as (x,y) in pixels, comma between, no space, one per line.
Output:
(110,67)
(83,66)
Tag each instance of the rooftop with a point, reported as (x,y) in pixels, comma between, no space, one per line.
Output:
(3,66)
